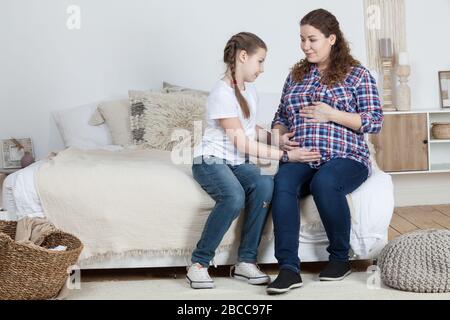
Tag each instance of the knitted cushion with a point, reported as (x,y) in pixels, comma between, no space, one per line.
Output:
(418,261)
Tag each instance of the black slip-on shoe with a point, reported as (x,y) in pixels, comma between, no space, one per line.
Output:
(335,271)
(285,281)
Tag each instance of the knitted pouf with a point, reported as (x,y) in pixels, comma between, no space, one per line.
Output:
(418,261)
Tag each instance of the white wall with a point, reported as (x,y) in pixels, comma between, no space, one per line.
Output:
(427,28)
(428,40)
(136,44)
(44,66)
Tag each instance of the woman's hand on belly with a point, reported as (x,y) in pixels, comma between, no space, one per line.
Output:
(318,112)
(322,112)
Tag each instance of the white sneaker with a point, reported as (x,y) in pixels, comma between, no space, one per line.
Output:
(198,277)
(249,272)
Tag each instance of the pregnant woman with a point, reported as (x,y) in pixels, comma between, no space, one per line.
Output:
(329,101)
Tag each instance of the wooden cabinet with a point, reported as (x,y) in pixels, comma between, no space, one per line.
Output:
(402,144)
(405,144)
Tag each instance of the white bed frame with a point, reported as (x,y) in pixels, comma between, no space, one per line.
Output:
(308,252)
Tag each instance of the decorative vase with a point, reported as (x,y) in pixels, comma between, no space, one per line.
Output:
(26,160)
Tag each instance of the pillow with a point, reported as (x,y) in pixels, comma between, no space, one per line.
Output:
(116,115)
(155,116)
(171,88)
(73,125)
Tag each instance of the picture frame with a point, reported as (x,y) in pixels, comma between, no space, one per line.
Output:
(444,88)
(12,153)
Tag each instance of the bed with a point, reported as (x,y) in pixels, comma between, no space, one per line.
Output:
(371,208)
(119,200)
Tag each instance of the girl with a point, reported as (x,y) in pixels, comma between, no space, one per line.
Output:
(330,100)
(221,169)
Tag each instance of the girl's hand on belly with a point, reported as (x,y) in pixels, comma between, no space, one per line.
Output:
(286,143)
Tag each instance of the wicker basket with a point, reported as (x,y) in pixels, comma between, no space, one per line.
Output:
(34,272)
(440,130)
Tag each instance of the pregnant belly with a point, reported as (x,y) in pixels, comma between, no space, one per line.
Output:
(322,137)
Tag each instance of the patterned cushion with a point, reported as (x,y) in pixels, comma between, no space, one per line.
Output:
(162,121)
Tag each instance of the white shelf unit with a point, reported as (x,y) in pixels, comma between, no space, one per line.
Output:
(438,149)
(439,140)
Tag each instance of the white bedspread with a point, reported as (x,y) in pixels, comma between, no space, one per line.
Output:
(20,198)
(19,194)
(371,205)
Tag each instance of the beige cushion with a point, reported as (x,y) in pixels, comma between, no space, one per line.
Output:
(171,88)
(372,152)
(162,121)
(116,115)
(96,118)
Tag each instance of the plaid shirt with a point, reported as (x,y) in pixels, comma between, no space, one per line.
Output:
(357,94)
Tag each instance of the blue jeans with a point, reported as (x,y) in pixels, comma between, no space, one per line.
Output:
(329,186)
(233,188)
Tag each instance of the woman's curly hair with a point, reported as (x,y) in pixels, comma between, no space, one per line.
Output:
(341,60)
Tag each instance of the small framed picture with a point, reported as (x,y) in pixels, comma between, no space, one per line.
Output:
(444,88)
(13,150)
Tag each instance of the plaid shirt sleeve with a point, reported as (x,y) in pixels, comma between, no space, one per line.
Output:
(281,116)
(369,105)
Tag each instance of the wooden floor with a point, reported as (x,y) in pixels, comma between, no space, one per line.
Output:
(407,219)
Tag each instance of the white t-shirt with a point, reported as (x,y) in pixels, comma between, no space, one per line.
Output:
(222,103)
